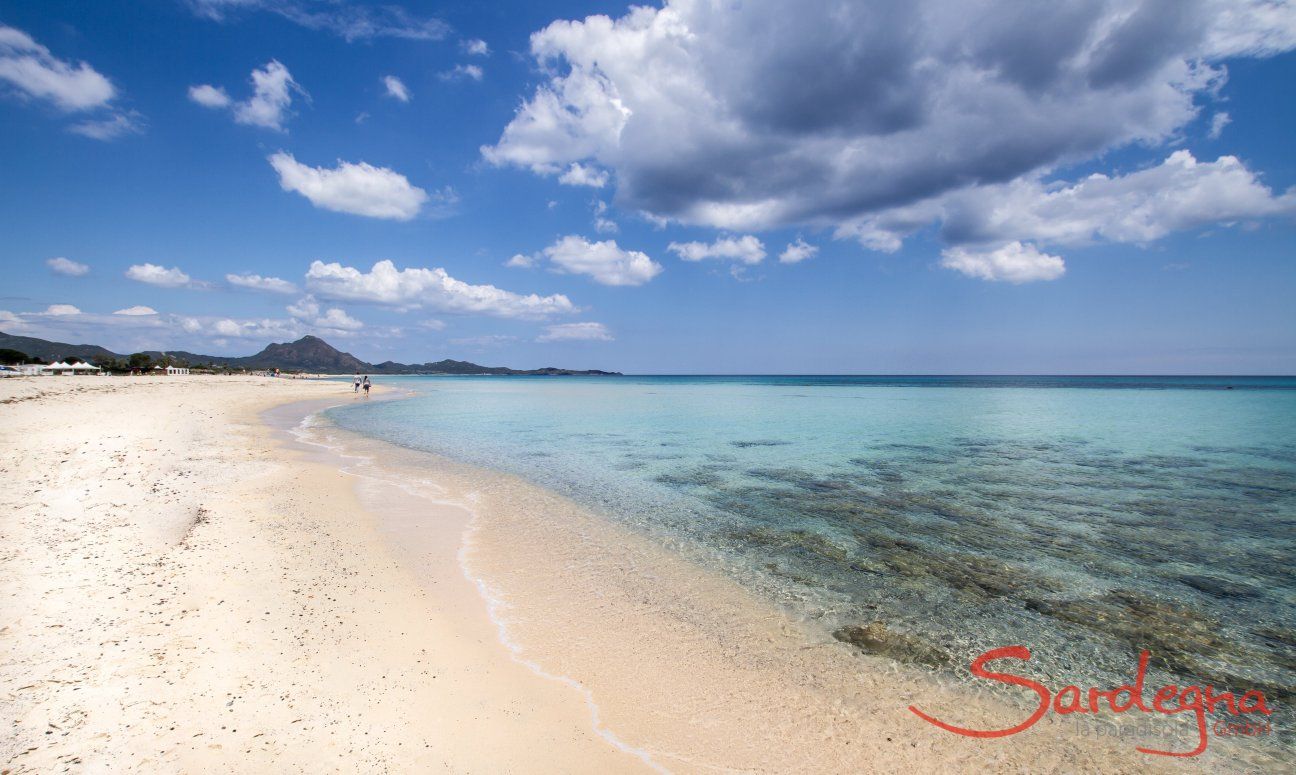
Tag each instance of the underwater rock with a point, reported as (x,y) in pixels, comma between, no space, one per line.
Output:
(802,540)
(979,577)
(1218,587)
(875,638)
(696,476)
(1201,671)
(1175,634)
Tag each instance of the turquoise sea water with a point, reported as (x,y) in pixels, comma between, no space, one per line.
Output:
(1085,517)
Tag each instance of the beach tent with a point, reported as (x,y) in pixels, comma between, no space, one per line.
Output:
(62,367)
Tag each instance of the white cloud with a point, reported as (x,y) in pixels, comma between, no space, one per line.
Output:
(1250,27)
(432,324)
(431,288)
(1141,207)
(35,73)
(487,340)
(258,283)
(476,47)
(443,202)
(603,261)
(307,317)
(572,332)
(603,224)
(1013,262)
(351,22)
(396,88)
(139,328)
(308,311)
(359,189)
(11,321)
(746,250)
(336,319)
(271,101)
(31,68)
(460,72)
(844,111)
(1180,193)
(797,252)
(260,330)
(519,261)
(65,322)
(304,307)
(582,175)
(1217,124)
(66,266)
(210,96)
(272,90)
(159,276)
(110,128)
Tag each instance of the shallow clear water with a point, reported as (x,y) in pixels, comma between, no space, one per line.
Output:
(1085,517)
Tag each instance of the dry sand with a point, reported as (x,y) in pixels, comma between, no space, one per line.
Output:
(183,590)
(178,593)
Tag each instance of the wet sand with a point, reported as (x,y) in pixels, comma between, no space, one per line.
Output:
(683,665)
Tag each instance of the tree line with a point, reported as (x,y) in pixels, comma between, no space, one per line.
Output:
(132,362)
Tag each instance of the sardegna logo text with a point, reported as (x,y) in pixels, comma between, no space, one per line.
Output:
(1169,700)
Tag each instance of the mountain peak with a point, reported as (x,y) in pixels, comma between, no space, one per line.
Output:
(309,353)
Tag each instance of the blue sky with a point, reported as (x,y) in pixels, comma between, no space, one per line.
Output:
(1102,187)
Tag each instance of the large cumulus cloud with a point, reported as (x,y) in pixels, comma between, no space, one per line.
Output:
(757,115)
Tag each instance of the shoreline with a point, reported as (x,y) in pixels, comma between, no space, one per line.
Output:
(622,645)
(418,614)
(424,537)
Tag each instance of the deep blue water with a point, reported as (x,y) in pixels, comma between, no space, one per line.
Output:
(1087,517)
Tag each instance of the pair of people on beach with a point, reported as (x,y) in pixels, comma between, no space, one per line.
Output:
(359,383)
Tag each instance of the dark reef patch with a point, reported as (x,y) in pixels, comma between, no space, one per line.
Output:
(875,638)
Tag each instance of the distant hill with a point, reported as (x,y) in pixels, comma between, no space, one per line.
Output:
(310,353)
(53,351)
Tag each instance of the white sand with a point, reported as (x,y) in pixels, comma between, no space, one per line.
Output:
(179,594)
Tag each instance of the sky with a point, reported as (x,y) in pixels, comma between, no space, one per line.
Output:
(926,186)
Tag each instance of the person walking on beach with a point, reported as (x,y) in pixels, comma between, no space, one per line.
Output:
(366,385)
(356,383)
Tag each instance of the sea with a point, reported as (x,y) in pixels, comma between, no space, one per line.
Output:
(927,519)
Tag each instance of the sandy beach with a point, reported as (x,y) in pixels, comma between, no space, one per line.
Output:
(180,595)
(188,587)
(688,386)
